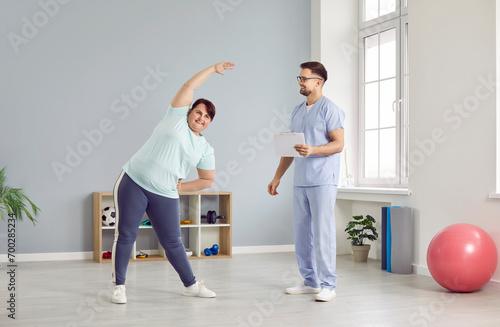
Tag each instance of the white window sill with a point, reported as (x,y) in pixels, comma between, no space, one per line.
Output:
(393,196)
(375,190)
(494,195)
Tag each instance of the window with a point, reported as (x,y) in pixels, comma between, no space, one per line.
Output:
(384,75)
(375,11)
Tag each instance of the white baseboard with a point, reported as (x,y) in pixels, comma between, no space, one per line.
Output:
(62,256)
(263,249)
(492,285)
(421,270)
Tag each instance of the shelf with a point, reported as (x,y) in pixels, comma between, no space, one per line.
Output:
(215,225)
(199,234)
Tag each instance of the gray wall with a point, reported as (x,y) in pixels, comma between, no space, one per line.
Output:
(67,69)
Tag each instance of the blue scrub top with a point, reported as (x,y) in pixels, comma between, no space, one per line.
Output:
(324,116)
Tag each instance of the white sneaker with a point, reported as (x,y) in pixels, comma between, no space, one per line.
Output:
(326,295)
(198,289)
(119,295)
(302,289)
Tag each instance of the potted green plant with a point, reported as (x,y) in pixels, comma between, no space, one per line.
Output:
(359,230)
(13,201)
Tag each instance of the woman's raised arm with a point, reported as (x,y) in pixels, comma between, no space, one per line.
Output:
(184,96)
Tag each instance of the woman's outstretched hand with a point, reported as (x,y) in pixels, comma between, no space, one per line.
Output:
(221,66)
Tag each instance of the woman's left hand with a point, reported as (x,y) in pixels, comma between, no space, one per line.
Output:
(179,185)
(221,66)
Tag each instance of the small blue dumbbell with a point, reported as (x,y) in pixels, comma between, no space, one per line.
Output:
(213,250)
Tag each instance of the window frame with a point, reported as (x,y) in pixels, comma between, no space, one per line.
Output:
(405,104)
(380,19)
(400,105)
(404,8)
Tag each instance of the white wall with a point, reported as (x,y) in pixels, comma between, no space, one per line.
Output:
(452,51)
(452,54)
(334,43)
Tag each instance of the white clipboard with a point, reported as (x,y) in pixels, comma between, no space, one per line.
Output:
(284,143)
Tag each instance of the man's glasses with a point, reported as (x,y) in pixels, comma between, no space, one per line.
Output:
(304,79)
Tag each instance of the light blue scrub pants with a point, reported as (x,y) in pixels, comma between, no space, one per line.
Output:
(315,238)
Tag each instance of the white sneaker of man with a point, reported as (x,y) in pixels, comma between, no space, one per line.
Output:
(119,295)
(199,290)
(302,289)
(326,295)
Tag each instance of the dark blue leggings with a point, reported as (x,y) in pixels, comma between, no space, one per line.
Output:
(131,201)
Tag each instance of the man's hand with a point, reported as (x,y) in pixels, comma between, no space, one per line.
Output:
(179,185)
(271,188)
(304,149)
(220,67)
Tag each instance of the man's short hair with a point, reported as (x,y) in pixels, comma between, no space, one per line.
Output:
(316,68)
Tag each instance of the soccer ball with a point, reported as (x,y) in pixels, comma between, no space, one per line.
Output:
(108,216)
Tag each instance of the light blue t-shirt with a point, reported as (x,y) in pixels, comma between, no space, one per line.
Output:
(170,153)
(323,117)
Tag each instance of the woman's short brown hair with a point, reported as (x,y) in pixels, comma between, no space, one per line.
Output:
(210,107)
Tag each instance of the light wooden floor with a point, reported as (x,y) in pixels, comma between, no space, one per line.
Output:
(250,292)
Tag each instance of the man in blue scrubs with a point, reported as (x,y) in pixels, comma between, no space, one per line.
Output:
(315,183)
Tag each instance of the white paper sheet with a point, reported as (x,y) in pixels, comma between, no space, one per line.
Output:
(284,143)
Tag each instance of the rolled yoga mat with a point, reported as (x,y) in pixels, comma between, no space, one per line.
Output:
(397,240)
(402,241)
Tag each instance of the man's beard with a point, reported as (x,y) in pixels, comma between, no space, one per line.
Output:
(305,92)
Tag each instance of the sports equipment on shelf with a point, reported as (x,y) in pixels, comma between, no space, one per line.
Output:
(108,216)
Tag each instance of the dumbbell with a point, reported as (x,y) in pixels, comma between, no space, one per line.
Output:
(213,250)
(212,217)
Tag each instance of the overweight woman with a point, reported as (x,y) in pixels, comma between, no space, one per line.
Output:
(151,179)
